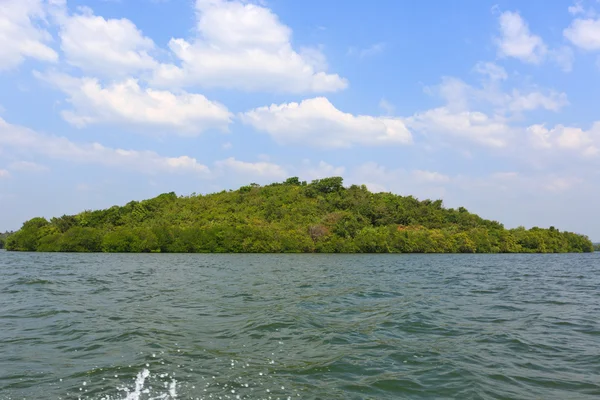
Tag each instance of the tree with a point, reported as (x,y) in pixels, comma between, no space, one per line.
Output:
(292,181)
(3,237)
(327,185)
(64,223)
(291,216)
(81,239)
(26,239)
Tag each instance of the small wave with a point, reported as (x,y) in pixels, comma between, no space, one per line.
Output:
(319,329)
(33,281)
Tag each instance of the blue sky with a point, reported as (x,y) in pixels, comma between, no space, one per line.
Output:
(488,105)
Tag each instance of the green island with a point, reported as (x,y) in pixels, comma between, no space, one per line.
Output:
(289,217)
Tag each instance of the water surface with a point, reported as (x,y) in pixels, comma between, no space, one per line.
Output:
(159,326)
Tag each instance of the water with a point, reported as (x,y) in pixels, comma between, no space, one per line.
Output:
(117,326)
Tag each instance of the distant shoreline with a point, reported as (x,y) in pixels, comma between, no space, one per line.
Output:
(288,217)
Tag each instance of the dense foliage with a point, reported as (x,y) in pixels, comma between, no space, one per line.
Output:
(292,216)
(3,237)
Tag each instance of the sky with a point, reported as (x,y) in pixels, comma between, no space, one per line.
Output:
(490,105)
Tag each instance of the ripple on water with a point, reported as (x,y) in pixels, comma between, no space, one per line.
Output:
(157,326)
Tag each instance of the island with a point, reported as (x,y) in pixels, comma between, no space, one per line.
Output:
(293,216)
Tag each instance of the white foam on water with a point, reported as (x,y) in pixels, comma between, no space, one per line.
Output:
(139,391)
(139,386)
(173,389)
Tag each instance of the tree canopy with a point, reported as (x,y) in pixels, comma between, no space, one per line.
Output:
(293,216)
(3,237)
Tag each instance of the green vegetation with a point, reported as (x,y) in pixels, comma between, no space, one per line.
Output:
(292,216)
(3,237)
(596,246)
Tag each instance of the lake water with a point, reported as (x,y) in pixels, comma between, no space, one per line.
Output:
(159,326)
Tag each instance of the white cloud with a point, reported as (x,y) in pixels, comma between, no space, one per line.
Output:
(316,122)
(430,177)
(553,101)
(27,166)
(517,41)
(244,46)
(470,125)
(560,184)
(4,173)
(419,183)
(261,169)
(27,142)
(457,94)
(497,185)
(493,71)
(107,47)
(576,8)
(386,106)
(562,137)
(20,34)
(460,96)
(505,175)
(563,57)
(483,114)
(584,33)
(309,171)
(370,51)
(314,56)
(127,103)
